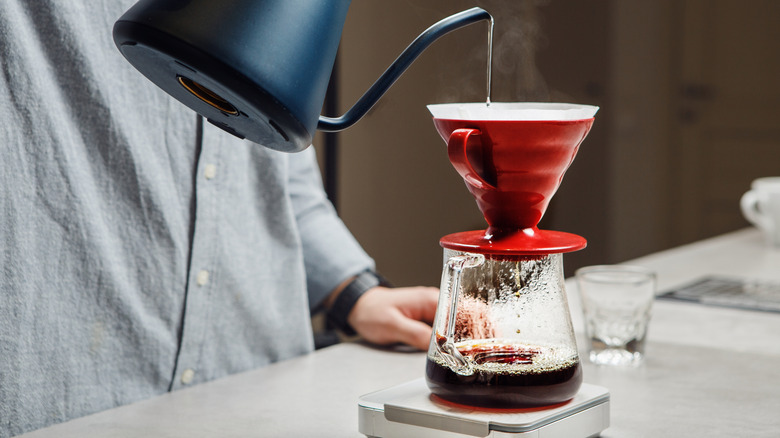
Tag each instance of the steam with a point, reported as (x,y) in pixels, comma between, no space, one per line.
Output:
(517,37)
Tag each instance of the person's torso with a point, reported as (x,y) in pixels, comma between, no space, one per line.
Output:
(131,254)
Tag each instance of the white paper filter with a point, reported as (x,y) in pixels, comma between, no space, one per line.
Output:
(512,111)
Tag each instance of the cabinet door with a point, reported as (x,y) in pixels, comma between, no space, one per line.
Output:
(728,110)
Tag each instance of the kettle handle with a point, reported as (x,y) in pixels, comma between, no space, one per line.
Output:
(399,66)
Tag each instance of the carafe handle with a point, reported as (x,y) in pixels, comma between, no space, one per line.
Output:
(457,150)
(451,279)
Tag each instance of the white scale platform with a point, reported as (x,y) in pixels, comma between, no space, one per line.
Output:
(409,410)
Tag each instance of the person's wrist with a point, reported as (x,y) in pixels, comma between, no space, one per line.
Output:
(345,301)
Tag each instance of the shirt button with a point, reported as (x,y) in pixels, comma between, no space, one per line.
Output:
(210,171)
(202,278)
(187,376)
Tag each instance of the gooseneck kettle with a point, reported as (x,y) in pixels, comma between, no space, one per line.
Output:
(258,69)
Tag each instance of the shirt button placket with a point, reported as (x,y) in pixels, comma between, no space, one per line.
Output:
(201,259)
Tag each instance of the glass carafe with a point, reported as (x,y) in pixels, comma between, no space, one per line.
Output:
(502,333)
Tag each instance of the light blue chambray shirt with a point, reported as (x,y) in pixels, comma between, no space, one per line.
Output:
(129,255)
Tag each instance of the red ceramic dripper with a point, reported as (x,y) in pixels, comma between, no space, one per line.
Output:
(512,157)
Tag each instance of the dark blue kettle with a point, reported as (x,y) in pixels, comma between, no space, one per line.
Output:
(258,69)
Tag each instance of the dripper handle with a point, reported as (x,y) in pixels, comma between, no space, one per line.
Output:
(457,150)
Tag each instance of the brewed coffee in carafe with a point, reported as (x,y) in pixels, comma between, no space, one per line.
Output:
(502,333)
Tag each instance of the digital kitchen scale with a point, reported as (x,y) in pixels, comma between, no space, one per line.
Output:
(409,410)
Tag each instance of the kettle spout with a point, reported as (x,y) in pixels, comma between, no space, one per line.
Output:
(399,66)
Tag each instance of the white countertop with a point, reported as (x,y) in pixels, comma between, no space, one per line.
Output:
(710,372)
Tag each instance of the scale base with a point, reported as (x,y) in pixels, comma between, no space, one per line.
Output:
(409,410)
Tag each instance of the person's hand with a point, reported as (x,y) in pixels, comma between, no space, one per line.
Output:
(391,315)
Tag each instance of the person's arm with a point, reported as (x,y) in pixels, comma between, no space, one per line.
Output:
(334,260)
(381,314)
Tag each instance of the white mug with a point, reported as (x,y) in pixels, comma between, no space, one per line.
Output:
(761,207)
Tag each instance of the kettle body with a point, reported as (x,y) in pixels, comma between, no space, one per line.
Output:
(259,69)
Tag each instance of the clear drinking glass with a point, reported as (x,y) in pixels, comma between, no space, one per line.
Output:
(616,302)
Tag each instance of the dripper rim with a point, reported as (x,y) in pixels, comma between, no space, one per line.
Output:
(515,111)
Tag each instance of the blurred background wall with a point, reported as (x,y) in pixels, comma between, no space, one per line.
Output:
(689,108)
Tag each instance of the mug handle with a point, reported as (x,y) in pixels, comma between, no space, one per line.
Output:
(457,150)
(749,205)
